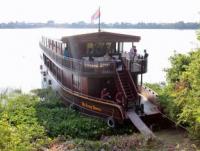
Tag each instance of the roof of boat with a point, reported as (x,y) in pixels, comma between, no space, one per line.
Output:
(102,37)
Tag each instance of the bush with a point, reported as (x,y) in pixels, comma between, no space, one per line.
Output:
(180,97)
(19,128)
(29,121)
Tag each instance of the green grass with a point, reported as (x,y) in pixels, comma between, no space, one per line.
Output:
(28,121)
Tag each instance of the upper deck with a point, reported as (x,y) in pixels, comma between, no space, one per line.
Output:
(93,54)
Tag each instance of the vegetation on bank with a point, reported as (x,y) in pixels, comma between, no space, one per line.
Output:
(19,128)
(38,121)
(29,121)
(181,95)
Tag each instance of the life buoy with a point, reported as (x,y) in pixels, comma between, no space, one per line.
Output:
(111,122)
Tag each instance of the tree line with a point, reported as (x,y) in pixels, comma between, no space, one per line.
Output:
(122,25)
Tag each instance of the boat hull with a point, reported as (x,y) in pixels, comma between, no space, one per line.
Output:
(89,105)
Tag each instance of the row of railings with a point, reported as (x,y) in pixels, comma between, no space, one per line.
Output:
(55,49)
(55,45)
(84,66)
(135,64)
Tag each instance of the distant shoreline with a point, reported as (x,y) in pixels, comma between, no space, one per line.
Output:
(51,24)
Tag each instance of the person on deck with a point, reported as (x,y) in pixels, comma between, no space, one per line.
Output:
(145,54)
(133,52)
(66,52)
(107,56)
(91,53)
(105,94)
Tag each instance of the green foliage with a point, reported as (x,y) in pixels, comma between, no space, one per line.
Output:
(188,97)
(180,97)
(65,121)
(29,121)
(19,128)
(179,63)
(60,120)
(165,98)
(155,86)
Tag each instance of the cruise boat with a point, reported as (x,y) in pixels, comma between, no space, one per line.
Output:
(95,74)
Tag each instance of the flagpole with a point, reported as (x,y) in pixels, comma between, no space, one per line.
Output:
(99,20)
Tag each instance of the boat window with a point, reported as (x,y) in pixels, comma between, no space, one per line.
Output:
(99,49)
(64,45)
(124,46)
(76,81)
(44,79)
(49,82)
(113,48)
(59,74)
(89,45)
(120,47)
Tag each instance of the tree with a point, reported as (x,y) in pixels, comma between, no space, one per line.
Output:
(183,88)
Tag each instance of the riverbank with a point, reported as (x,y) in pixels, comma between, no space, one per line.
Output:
(39,121)
(169,140)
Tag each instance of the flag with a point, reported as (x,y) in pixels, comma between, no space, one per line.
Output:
(96,15)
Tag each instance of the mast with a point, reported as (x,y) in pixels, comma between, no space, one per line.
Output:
(95,16)
(99,26)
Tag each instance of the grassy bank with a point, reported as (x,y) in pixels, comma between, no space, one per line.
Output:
(28,121)
(39,121)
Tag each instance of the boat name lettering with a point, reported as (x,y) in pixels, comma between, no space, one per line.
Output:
(91,107)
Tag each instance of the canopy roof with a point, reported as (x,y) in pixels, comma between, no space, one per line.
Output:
(102,37)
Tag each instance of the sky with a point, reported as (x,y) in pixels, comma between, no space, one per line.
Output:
(133,11)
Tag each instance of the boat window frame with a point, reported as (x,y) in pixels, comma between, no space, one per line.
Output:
(76,82)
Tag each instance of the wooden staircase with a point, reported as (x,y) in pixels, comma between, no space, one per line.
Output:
(128,88)
(130,93)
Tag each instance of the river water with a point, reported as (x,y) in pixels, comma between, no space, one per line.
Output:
(20,52)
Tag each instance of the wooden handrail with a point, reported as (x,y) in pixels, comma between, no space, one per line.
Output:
(132,82)
(121,86)
(149,90)
(80,65)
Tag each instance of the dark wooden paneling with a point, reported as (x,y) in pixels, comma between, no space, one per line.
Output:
(67,79)
(84,85)
(96,85)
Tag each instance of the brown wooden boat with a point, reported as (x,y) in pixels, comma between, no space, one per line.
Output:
(94,74)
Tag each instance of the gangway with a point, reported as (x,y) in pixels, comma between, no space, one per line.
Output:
(139,124)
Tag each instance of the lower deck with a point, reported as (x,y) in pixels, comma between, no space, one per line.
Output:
(73,95)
